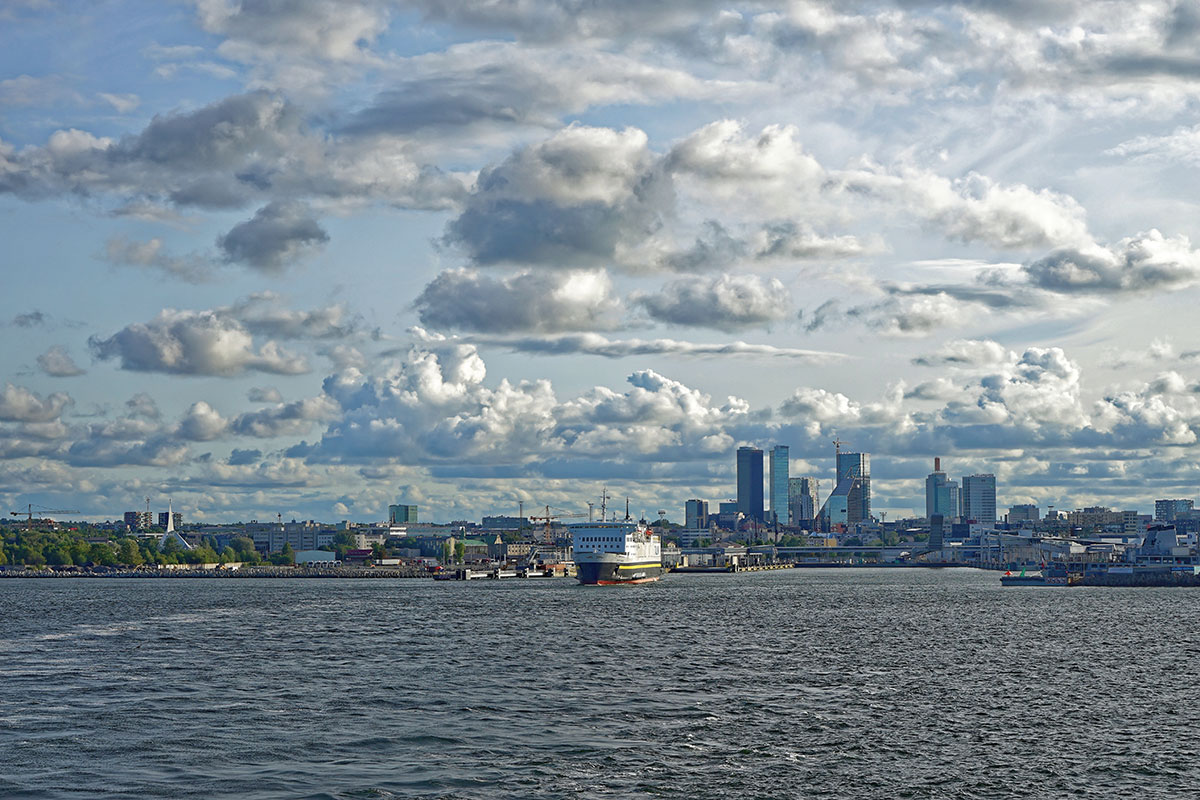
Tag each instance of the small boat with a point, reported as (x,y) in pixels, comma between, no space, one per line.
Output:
(1033,579)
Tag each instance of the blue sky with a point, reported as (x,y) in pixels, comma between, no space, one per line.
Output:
(312,257)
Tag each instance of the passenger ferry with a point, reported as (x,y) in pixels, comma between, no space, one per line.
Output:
(609,553)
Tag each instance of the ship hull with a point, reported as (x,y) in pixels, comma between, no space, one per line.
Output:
(609,573)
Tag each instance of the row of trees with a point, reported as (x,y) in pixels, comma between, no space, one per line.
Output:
(37,548)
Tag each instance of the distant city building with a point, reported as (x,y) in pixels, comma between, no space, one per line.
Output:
(727,515)
(1169,510)
(802,500)
(839,502)
(1099,518)
(1025,512)
(139,520)
(166,516)
(856,466)
(750,483)
(778,481)
(979,499)
(941,494)
(695,514)
(401,514)
(270,537)
(496,523)
(937,534)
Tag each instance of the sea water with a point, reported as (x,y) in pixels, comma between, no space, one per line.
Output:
(797,683)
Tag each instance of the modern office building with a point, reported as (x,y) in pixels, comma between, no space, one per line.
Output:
(401,514)
(750,483)
(1168,510)
(778,483)
(1025,512)
(802,500)
(941,494)
(856,466)
(979,499)
(695,514)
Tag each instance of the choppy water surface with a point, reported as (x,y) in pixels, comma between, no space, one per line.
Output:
(816,683)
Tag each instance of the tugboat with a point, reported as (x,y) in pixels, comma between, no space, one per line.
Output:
(1035,579)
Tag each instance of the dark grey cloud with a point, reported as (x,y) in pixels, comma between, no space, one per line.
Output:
(57,363)
(264,314)
(821,316)
(992,297)
(902,315)
(554,20)
(264,394)
(30,319)
(727,303)
(286,419)
(530,301)
(152,254)
(248,148)
(241,458)
(573,200)
(277,235)
(504,84)
(715,248)
(18,404)
(1143,262)
(789,240)
(1184,24)
(194,343)
(157,452)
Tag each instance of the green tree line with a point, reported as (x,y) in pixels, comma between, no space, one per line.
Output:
(38,548)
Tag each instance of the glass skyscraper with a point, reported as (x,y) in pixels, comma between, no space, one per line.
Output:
(856,465)
(941,494)
(778,481)
(750,483)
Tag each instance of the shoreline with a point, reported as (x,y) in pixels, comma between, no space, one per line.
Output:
(243,572)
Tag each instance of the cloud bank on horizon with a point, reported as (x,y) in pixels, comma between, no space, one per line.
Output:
(318,257)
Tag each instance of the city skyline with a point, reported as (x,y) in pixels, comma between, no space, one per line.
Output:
(314,258)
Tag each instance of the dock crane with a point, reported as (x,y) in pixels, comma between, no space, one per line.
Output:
(28,512)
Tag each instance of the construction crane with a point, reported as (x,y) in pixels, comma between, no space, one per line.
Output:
(547,517)
(28,512)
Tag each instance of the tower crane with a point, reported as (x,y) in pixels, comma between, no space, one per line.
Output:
(28,512)
(547,517)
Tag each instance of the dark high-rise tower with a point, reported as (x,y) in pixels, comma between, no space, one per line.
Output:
(750,483)
(856,465)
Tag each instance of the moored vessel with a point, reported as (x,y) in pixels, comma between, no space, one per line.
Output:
(609,553)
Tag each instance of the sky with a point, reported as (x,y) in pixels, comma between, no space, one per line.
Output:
(311,258)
